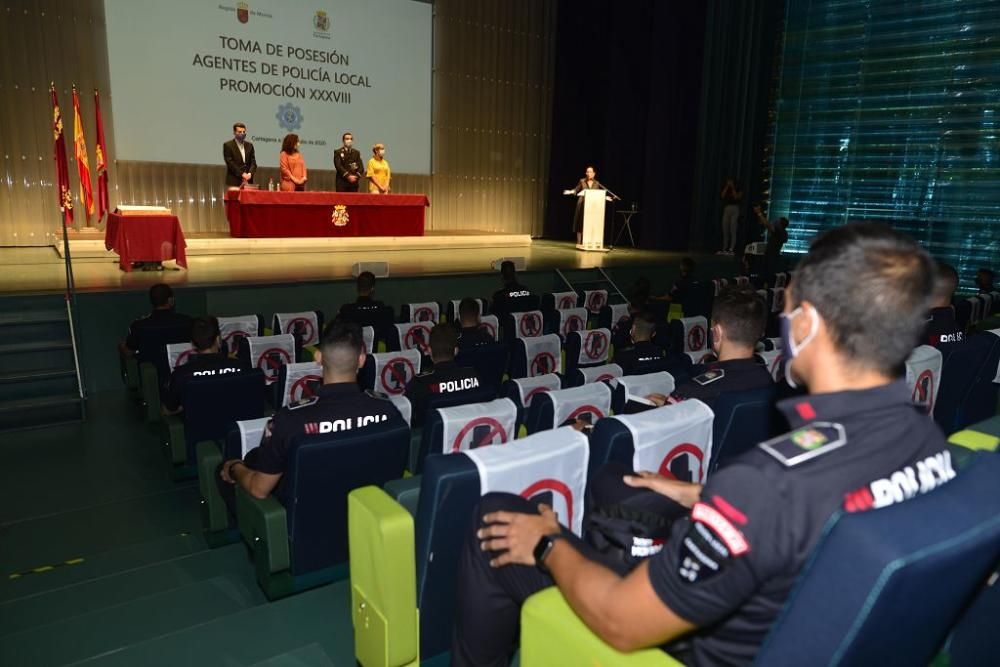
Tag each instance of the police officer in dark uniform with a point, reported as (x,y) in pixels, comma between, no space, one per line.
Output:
(339,405)
(513,296)
(161,296)
(728,567)
(445,378)
(365,308)
(643,356)
(347,162)
(206,361)
(942,329)
(471,332)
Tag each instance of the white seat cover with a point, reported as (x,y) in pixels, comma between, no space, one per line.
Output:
(923,375)
(595,346)
(393,370)
(425,312)
(570,320)
(402,404)
(700,357)
(593,399)
(528,388)
(368,334)
(491,325)
(695,333)
(595,299)
(178,354)
(476,425)
(543,355)
(641,386)
(680,432)
(268,353)
(301,381)
(306,323)
(772,359)
(415,336)
(619,315)
(564,300)
(233,329)
(601,373)
(549,466)
(528,324)
(996,332)
(251,433)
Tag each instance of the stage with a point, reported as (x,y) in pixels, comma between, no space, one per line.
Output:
(220,260)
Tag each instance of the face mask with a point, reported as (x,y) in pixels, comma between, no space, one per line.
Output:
(789,349)
(240,137)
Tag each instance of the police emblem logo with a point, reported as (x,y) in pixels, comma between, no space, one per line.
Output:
(710,376)
(242,12)
(289,117)
(806,443)
(321,21)
(809,439)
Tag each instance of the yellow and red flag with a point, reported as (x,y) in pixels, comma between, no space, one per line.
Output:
(82,161)
(62,169)
(101,152)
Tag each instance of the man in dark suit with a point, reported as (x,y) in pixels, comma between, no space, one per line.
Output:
(347,162)
(241,163)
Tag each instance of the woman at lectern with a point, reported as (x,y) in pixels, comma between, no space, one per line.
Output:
(588,182)
(293,166)
(378,172)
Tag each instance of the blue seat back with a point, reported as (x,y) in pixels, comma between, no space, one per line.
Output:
(962,363)
(610,442)
(432,435)
(322,470)
(213,404)
(152,344)
(980,400)
(885,586)
(449,492)
(742,420)
(490,362)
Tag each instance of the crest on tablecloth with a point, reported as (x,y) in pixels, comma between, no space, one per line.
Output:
(340,216)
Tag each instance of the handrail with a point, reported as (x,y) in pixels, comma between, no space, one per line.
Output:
(71,313)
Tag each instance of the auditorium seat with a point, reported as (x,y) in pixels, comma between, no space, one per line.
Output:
(962,364)
(389,372)
(521,324)
(629,391)
(426,311)
(297,536)
(602,373)
(616,318)
(451,312)
(243,436)
(306,326)
(854,604)
(539,355)
(269,353)
(981,399)
(410,336)
(587,348)
(296,382)
(234,328)
(403,567)
(211,407)
(549,410)
(565,321)
(522,391)
(452,427)
(743,419)
(490,362)
(151,358)
(560,300)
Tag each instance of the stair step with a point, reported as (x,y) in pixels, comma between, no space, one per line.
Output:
(320,616)
(32,376)
(310,655)
(109,630)
(33,317)
(23,613)
(42,346)
(39,402)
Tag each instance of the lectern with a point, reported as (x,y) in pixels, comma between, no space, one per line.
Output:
(593,220)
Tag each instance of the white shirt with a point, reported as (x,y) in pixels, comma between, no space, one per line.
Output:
(243,151)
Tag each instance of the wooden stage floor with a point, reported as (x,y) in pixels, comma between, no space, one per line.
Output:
(223,260)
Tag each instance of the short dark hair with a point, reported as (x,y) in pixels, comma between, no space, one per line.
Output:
(366,281)
(507,270)
(345,135)
(872,286)
(341,345)
(204,332)
(467,308)
(742,313)
(236,125)
(288,144)
(945,280)
(444,340)
(687,266)
(987,272)
(645,325)
(160,295)
(783,221)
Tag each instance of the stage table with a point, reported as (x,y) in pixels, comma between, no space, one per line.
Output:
(145,238)
(263,213)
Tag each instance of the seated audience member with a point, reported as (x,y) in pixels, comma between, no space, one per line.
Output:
(206,361)
(161,296)
(339,405)
(643,353)
(738,318)
(726,569)
(446,377)
(681,288)
(984,281)
(941,326)
(365,306)
(640,295)
(471,333)
(510,291)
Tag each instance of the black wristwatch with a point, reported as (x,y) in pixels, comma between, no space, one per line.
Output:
(542,550)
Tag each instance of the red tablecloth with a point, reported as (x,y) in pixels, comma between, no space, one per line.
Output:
(260,213)
(145,238)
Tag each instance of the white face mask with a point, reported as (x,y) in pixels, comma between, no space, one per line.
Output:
(790,349)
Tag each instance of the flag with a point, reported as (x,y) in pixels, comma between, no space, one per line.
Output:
(102,162)
(62,170)
(82,161)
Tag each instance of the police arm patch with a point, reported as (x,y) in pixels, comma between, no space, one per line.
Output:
(709,546)
(710,376)
(806,443)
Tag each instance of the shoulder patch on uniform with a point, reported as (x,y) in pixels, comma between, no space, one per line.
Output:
(806,443)
(709,376)
(301,403)
(376,394)
(425,373)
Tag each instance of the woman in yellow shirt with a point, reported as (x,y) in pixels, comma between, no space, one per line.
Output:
(378,172)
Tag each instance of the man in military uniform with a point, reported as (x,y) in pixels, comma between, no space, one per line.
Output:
(161,296)
(471,332)
(942,329)
(738,318)
(206,361)
(339,405)
(347,162)
(858,442)
(445,378)
(643,356)
(364,309)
